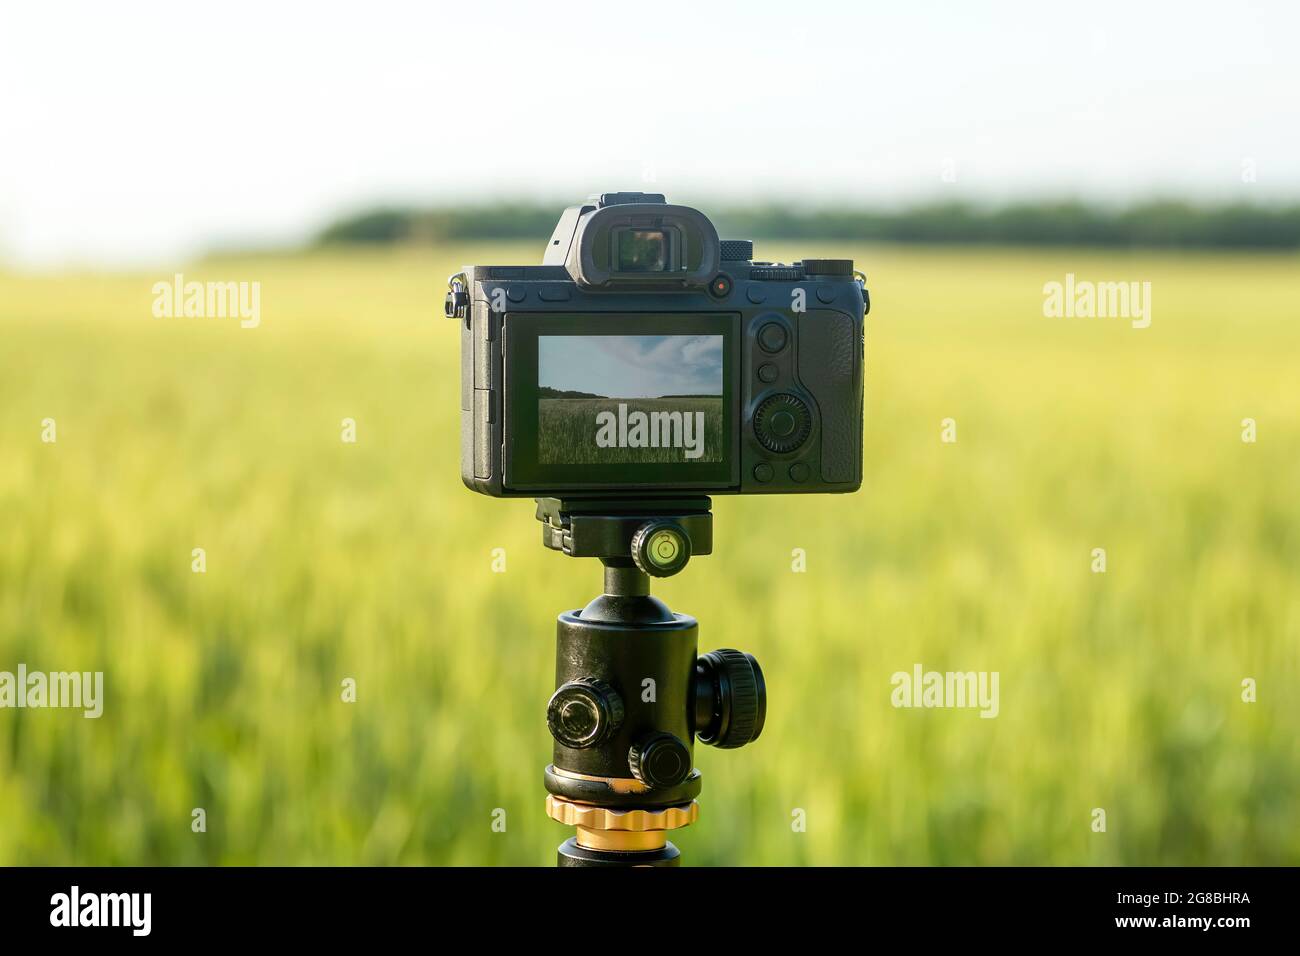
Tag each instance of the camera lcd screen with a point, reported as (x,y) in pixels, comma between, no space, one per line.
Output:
(643,250)
(626,402)
(630,399)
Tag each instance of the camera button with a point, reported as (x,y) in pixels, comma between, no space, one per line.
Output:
(799,471)
(756,294)
(767,372)
(515,294)
(782,424)
(763,471)
(721,286)
(826,294)
(772,337)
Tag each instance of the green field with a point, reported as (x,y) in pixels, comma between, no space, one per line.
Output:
(567,430)
(329,560)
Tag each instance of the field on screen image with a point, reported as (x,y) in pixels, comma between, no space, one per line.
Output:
(370,561)
(567,430)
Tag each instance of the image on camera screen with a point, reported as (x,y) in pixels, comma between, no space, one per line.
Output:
(639,399)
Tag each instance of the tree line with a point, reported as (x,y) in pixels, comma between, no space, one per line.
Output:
(1157,223)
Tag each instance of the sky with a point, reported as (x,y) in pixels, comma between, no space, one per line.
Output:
(631,366)
(136,133)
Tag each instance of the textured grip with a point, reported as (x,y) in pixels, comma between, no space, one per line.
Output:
(828,267)
(830,366)
(747,698)
(736,250)
(777,273)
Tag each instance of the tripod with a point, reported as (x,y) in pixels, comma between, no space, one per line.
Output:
(631,695)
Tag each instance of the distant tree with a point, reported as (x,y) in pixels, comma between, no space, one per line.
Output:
(1157,223)
(378,225)
(545,391)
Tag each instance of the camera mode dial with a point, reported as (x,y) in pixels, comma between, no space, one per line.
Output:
(828,267)
(782,423)
(736,250)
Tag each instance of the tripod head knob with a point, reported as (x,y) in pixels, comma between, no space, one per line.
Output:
(660,760)
(730,698)
(661,548)
(584,712)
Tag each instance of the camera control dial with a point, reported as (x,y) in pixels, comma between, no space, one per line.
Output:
(782,423)
(828,267)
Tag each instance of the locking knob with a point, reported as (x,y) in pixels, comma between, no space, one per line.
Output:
(661,548)
(730,698)
(583,713)
(660,760)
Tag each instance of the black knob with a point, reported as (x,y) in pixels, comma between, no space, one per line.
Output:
(736,250)
(828,267)
(660,760)
(782,423)
(661,548)
(773,337)
(730,698)
(582,713)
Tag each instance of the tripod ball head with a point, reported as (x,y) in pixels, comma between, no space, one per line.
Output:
(633,695)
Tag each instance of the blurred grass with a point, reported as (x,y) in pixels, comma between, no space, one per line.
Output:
(328,560)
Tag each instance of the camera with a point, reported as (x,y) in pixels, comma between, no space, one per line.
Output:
(645,357)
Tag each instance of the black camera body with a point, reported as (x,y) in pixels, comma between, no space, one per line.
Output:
(647,358)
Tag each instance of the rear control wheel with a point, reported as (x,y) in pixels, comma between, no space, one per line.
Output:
(782,423)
